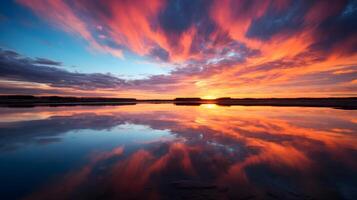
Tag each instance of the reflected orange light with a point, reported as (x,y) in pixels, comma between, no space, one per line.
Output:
(209,106)
(277,137)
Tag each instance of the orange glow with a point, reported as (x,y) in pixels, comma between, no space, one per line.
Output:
(209,97)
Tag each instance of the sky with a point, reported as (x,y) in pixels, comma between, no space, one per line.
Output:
(179,48)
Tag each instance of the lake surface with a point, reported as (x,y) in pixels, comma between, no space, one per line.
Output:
(163,151)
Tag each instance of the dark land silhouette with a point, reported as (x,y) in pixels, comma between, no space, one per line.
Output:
(29,101)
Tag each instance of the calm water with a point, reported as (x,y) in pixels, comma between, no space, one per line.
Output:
(165,151)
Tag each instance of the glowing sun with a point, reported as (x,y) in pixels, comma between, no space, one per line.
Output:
(209,97)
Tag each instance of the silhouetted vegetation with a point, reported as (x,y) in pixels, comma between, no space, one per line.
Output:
(348,103)
(28,100)
(187,99)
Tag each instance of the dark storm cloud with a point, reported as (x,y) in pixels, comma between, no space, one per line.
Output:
(18,68)
(15,67)
(9,54)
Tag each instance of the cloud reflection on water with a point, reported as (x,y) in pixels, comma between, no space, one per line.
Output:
(218,152)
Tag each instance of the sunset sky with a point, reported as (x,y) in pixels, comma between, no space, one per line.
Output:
(167,49)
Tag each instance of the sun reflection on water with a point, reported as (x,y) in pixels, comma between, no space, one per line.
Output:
(209,106)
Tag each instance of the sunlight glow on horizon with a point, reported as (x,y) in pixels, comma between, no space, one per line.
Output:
(160,49)
(209,97)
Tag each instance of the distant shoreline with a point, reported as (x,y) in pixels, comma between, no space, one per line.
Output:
(33,101)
